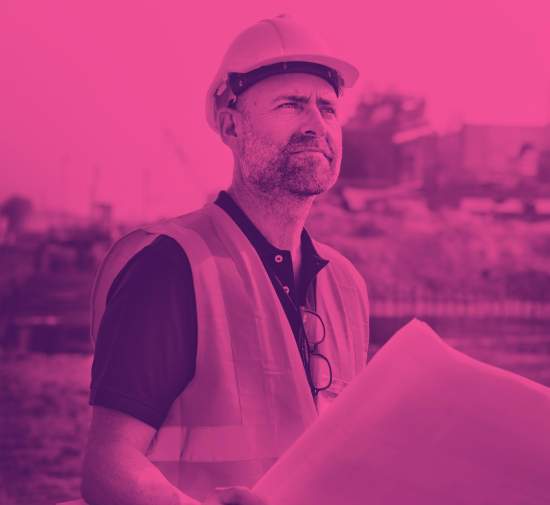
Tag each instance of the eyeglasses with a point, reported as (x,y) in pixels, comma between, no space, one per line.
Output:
(312,334)
(318,366)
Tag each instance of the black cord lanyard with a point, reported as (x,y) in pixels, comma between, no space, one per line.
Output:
(301,341)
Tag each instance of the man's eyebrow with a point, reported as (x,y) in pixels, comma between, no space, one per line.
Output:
(292,98)
(326,101)
(303,99)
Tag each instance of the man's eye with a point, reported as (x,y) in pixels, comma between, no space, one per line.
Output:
(329,110)
(289,105)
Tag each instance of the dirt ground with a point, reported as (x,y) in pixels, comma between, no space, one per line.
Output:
(44,412)
(44,423)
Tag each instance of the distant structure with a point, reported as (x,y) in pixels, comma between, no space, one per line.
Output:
(102,216)
(391,151)
(388,141)
(503,155)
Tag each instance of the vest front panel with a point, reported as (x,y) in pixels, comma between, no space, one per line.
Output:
(249,399)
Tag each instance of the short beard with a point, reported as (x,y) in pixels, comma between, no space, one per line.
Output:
(282,174)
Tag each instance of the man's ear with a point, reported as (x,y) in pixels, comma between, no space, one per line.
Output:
(227,124)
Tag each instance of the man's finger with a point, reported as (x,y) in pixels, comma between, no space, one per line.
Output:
(238,495)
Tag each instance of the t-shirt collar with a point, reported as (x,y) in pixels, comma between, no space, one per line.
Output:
(263,247)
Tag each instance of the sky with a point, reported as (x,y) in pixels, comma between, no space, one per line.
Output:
(104,100)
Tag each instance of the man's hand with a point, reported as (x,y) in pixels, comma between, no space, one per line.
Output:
(237,495)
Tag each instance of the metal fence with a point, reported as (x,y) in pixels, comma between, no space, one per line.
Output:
(464,307)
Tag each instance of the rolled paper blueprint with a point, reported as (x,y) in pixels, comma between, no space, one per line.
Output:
(423,424)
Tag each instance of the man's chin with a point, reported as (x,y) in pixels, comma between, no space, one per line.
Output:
(304,194)
(306,180)
(310,190)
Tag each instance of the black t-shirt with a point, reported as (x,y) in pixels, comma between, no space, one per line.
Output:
(147,342)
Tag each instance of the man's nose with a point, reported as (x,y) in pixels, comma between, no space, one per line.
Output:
(313,123)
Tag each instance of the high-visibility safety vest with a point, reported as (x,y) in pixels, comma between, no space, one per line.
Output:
(249,399)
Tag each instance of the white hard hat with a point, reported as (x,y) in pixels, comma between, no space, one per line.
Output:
(275,46)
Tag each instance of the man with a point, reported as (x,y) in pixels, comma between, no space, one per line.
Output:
(222,334)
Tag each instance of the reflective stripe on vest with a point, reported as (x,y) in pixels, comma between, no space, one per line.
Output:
(249,399)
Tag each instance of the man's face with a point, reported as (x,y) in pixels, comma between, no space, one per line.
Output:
(289,138)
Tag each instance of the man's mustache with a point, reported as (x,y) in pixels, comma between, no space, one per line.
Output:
(306,143)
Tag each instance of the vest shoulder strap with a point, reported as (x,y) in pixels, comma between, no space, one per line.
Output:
(116,258)
(124,249)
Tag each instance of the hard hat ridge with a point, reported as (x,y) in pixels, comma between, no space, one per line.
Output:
(270,47)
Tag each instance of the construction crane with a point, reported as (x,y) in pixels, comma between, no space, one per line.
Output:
(182,157)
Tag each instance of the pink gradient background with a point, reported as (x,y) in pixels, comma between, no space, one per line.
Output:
(87,90)
(105,100)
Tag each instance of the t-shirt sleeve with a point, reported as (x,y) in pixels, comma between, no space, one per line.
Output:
(146,346)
